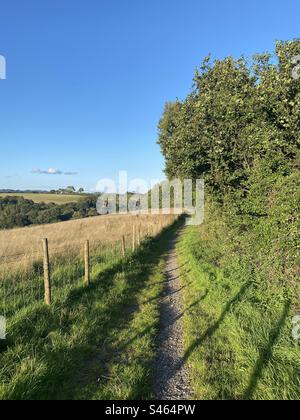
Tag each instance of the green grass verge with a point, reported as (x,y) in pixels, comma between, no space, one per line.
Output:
(92,343)
(238,346)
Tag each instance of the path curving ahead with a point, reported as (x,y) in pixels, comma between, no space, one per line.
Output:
(171,373)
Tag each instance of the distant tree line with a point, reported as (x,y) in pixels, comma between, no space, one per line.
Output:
(70,190)
(20,212)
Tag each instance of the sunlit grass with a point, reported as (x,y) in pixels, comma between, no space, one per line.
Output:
(236,344)
(94,342)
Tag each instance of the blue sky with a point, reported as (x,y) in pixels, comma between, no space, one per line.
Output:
(87,80)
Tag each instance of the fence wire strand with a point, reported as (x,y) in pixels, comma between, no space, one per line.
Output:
(21,274)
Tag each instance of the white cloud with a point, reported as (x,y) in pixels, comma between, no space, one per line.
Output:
(52,171)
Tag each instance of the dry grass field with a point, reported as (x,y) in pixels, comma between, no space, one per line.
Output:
(45,198)
(20,245)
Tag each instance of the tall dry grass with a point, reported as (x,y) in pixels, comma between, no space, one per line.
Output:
(18,246)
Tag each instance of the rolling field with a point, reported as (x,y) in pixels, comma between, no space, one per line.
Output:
(23,244)
(46,198)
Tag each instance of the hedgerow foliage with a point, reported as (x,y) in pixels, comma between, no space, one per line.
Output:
(236,116)
(239,129)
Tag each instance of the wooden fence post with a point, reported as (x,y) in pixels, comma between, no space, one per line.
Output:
(133,239)
(123,247)
(47,279)
(87,263)
(139,236)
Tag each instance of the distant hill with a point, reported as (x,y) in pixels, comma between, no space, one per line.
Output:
(20,210)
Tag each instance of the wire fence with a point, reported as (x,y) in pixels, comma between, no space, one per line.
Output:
(48,274)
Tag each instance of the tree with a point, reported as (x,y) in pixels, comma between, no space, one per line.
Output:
(17,211)
(236,116)
(71,189)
